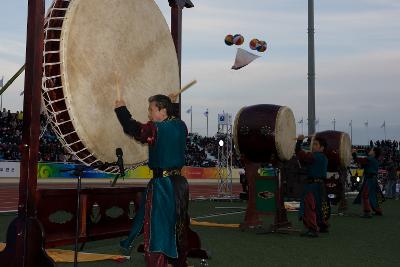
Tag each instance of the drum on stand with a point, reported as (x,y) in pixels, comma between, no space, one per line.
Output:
(338,151)
(264,133)
(88,43)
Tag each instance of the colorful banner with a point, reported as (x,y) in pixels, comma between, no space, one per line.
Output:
(55,170)
(200,173)
(142,172)
(9,169)
(189,172)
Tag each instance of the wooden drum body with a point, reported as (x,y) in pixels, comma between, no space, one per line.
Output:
(89,44)
(263,133)
(338,151)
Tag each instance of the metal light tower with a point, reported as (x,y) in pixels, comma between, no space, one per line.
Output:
(225,152)
(311,69)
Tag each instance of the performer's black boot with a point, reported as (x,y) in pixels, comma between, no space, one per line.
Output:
(126,246)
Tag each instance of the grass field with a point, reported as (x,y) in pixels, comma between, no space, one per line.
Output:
(352,241)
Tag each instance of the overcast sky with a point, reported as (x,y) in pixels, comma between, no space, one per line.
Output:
(357,60)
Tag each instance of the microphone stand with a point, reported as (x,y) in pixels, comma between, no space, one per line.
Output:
(77,172)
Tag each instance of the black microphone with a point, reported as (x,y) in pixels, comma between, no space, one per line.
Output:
(120,161)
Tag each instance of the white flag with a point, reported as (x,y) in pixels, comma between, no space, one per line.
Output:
(384,124)
(243,58)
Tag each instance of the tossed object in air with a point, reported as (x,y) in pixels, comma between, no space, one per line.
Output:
(243,58)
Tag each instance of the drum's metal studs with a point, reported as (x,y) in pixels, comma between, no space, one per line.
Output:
(244,130)
(266,130)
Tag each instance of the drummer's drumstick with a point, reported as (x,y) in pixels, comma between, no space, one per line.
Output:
(118,90)
(187,86)
(309,136)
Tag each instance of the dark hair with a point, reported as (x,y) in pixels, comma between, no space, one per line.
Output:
(322,142)
(162,101)
(377,152)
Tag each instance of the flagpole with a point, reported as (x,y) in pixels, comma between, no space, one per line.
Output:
(351,131)
(191,119)
(1,105)
(207,122)
(384,128)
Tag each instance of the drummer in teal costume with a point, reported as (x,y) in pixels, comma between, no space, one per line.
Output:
(314,206)
(162,216)
(370,194)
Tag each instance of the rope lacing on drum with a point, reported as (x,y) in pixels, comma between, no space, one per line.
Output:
(52,77)
(52,64)
(52,114)
(43,130)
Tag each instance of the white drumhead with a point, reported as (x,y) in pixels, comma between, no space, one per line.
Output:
(345,150)
(103,37)
(285,133)
(235,131)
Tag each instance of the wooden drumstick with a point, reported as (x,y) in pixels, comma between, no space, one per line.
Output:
(187,86)
(117,88)
(308,136)
(183,89)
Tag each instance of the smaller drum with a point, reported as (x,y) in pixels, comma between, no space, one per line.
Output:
(264,133)
(338,151)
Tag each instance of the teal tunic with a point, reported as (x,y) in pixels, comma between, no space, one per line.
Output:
(372,167)
(318,168)
(375,195)
(167,152)
(169,149)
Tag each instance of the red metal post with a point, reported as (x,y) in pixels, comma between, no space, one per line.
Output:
(176,31)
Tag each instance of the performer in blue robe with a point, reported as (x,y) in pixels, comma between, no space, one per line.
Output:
(314,206)
(163,216)
(370,194)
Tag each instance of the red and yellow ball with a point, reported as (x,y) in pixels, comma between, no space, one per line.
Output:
(238,39)
(262,46)
(254,44)
(229,39)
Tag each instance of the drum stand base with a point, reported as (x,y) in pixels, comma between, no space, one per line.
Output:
(280,227)
(275,229)
(252,220)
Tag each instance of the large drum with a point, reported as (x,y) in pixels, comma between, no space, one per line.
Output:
(338,151)
(88,43)
(264,133)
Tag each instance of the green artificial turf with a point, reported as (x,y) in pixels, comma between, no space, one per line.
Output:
(352,241)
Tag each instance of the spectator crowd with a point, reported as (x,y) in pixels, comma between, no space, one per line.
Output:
(200,151)
(50,149)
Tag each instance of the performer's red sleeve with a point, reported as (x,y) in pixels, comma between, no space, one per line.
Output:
(148,133)
(302,156)
(144,133)
(305,157)
(361,161)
